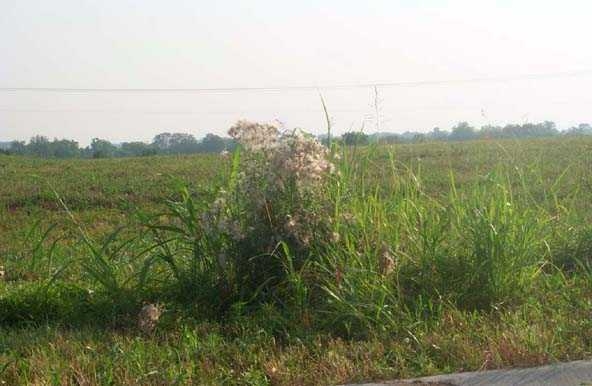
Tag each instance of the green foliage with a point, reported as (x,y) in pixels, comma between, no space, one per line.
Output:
(462,131)
(100,148)
(352,138)
(164,143)
(423,258)
(183,143)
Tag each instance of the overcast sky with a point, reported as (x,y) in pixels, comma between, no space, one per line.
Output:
(234,44)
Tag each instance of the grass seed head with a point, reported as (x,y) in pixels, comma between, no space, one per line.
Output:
(387,261)
(148,317)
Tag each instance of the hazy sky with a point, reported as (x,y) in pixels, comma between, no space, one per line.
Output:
(226,44)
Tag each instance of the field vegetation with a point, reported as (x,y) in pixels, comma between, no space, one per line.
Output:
(288,262)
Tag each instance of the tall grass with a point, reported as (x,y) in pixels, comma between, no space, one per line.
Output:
(402,261)
(384,255)
(357,249)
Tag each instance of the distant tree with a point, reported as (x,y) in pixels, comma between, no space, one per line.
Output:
(39,146)
(64,148)
(490,132)
(585,128)
(213,143)
(462,132)
(390,138)
(530,130)
(162,141)
(419,137)
(354,138)
(438,135)
(581,129)
(17,147)
(136,149)
(182,143)
(546,129)
(100,148)
(175,143)
(512,131)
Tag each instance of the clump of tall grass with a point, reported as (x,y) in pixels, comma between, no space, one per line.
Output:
(478,249)
(264,222)
(300,228)
(352,243)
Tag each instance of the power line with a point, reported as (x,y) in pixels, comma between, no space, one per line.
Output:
(162,112)
(224,112)
(344,86)
(366,111)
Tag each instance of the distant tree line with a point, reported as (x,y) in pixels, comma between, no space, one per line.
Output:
(164,143)
(464,132)
(182,143)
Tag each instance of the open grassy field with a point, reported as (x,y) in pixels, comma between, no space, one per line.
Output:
(419,259)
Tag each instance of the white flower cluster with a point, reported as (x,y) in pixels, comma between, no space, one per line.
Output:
(297,227)
(281,175)
(255,136)
(292,155)
(301,158)
(217,219)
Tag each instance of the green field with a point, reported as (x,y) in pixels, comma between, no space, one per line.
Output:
(445,257)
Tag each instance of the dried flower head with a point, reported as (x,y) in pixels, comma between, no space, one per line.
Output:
(387,261)
(335,237)
(2,272)
(148,317)
(276,167)
(254,136)
(348,218)
(301,158)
